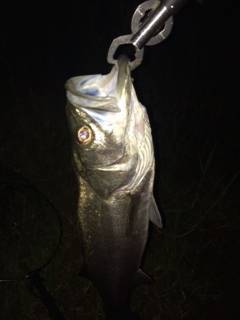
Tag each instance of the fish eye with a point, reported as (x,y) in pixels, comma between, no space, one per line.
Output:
(85,135)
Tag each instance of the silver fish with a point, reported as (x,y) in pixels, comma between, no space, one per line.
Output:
(114,162)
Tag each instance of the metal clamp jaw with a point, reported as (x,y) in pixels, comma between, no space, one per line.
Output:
(152,23)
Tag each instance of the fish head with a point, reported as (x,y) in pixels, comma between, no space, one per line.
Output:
(107,125)
(97,113)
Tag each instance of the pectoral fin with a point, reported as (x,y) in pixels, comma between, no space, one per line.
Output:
(141,278)
(154,214)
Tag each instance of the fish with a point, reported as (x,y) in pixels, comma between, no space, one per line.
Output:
(113,158)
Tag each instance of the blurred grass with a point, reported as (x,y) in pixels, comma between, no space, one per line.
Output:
(193,260)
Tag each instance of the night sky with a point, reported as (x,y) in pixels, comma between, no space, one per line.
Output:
(189,87)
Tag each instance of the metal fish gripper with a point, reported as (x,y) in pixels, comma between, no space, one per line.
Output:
(152,23)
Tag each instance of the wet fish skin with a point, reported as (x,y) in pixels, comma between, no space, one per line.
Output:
(115,173)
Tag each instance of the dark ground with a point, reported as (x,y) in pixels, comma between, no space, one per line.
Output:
(188,85)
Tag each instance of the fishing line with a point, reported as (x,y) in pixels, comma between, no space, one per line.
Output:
(15,187)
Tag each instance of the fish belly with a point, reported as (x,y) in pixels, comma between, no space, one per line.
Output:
(114,234)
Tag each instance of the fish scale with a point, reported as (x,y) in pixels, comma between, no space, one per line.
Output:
(115,171)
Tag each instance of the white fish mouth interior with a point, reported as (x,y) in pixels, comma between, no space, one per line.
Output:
(95,86)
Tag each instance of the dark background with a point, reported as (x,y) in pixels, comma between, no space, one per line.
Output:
(189,86)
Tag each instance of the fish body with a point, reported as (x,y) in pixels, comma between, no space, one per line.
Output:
(114,163)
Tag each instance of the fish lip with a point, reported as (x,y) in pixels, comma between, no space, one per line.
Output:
(122,70)
(123,75)
(106,103)
(70,86)
(104,106)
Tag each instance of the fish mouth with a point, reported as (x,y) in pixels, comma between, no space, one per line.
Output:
(98,91)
